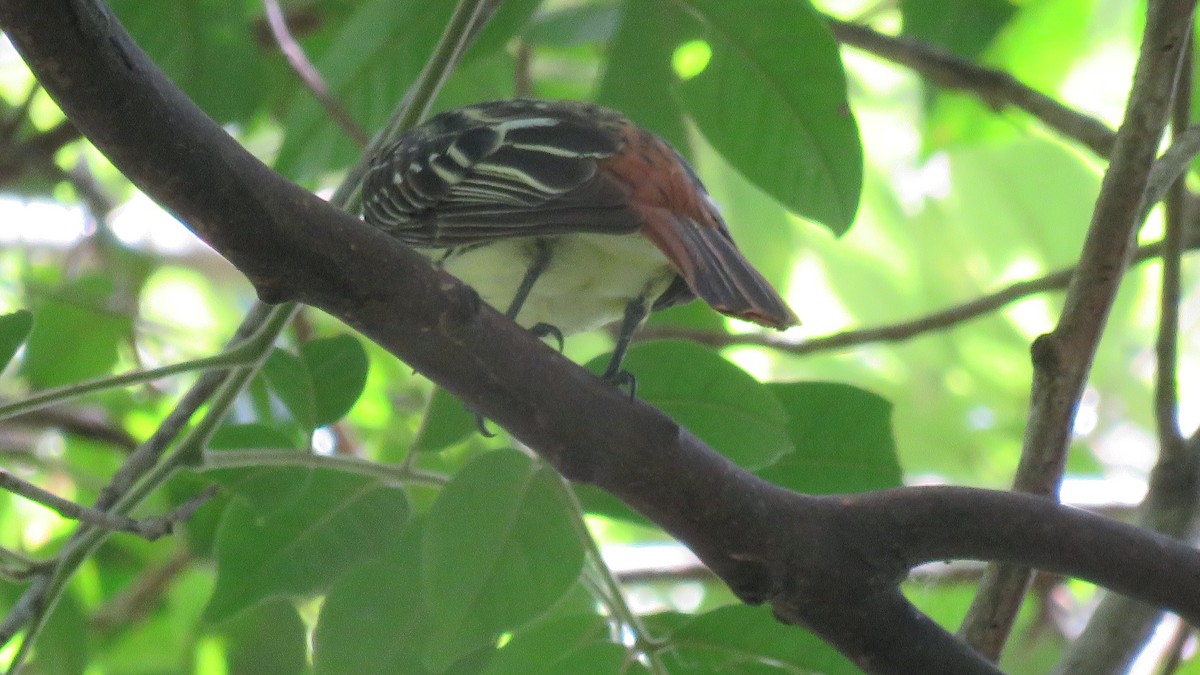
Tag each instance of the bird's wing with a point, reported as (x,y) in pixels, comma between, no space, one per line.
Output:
(497,171)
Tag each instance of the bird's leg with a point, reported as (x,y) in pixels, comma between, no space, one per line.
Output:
(635,313)
(541,259)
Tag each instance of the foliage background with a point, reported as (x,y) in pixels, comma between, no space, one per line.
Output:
(459,554)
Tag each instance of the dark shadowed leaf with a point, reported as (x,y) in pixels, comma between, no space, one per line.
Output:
(14,329)
(338,367)
(536,647)
(447,422)
(964,29)
(290,380)
(207,47)
(374,620)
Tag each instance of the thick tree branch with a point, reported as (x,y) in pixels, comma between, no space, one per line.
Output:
(1120,626)
(831,564)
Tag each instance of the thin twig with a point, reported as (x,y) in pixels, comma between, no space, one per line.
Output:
(398,474)
(895,332)
(79,423)
(1166,398)
(309,75)
(143,595)
(996,87)
(148,528)
(238,355)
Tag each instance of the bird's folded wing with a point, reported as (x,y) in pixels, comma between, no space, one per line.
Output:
(469,178)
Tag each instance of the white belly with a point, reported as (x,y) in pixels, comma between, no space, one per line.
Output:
(589,281)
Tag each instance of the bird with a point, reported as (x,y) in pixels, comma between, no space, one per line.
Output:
(566,216)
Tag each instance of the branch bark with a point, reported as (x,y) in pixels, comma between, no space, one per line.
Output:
(830,563)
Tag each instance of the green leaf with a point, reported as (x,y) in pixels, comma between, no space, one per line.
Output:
(63,645)
(374,620)
(843,439)
(270,639)
(773,102)
(739,639)
(338,367)
(207,47)
(447,422)
(336,521)
(499,548)
(290,380)
(14,329)
(713,398)
(534,649)
(639,60)
(964,29)
(76,334)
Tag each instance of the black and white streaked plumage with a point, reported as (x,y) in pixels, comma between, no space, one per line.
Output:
(564,213)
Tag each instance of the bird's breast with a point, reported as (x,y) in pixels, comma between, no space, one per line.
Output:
(588,282)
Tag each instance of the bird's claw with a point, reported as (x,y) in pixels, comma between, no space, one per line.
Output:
(622,379)
(543,330)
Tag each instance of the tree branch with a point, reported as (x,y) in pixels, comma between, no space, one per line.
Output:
(308,73)
(1120,626)
(829,563)
(1063,357)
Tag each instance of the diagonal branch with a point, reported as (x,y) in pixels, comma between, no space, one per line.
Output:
(308,73)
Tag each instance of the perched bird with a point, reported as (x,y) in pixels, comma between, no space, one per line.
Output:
(566,215)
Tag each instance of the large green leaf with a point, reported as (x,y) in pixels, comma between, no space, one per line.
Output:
(338,367)
(374,620)
(499,548)
(843,439)
(713,398)
(14,329)
(338,520)
(772,100)
(76,334)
